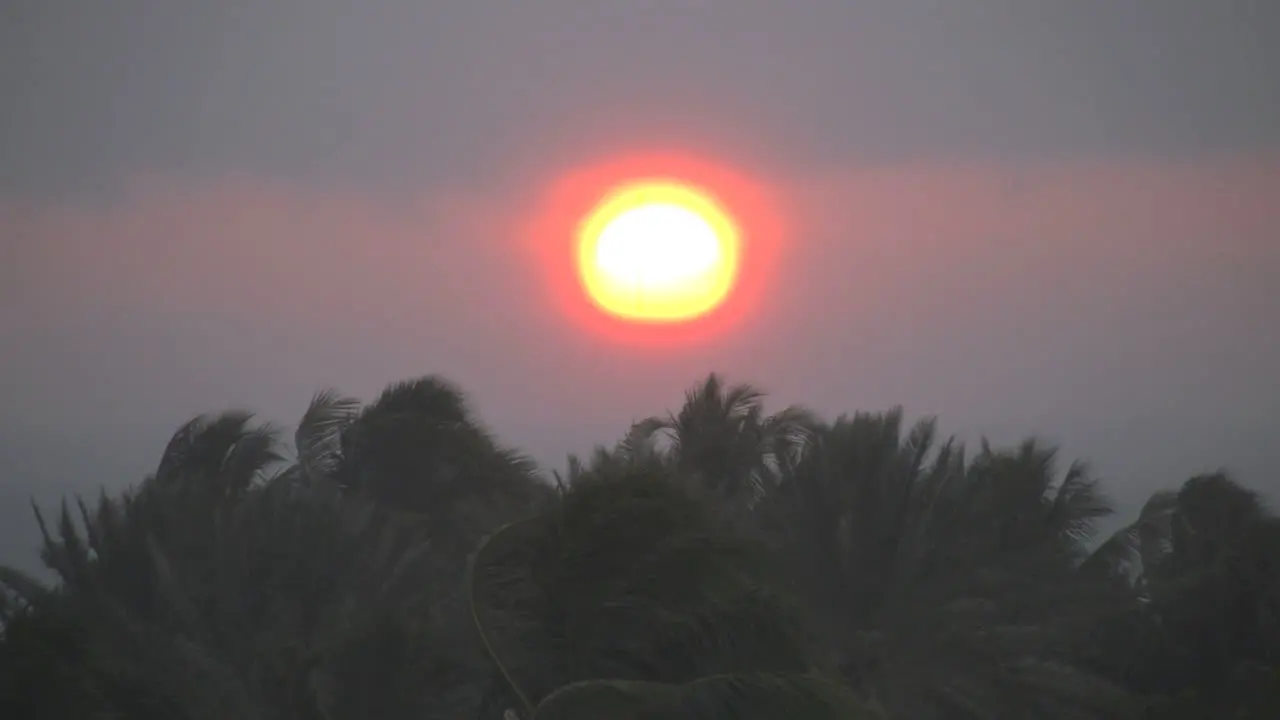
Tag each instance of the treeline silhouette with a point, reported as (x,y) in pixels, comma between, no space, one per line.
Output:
(719,562)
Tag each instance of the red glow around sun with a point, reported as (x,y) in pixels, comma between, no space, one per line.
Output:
(556,233)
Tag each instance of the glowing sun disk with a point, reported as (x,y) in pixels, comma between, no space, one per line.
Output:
(658,252)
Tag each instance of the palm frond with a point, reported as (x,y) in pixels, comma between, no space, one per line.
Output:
(22,585)
(430,396)
(1141,544)
(201,445)
(1078,504)
(248,460)
(318,437)
(502,596)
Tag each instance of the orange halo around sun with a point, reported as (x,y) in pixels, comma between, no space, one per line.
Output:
(580,206)
(657,251)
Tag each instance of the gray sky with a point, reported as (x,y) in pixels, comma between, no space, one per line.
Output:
(1056,218)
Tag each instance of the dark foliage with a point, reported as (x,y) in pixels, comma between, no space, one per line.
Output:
(719,562)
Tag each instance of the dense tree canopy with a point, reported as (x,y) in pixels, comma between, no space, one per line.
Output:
(720,561)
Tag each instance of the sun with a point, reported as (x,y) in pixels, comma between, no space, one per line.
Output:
(658,251)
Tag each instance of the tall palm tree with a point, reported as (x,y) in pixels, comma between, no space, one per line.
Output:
(938,578)
(418,448)
(143,615)
(719,562)
(629,596)
(224,589)
(1205,564)
(724,440)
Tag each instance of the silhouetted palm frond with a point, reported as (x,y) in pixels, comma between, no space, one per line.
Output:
(722,439)
(222,455)
(417,448)
(318,439)
(1142,543)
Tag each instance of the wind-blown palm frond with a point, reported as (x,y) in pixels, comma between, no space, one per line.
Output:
(1077,505)
(20,586)
(318,439)
(223,455)
(723,440)
(1208,584)
(638,449)
(431,396)
(1141,544)
(1213,513)
(417,448)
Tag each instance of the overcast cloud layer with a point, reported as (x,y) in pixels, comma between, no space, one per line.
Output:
(1055,218)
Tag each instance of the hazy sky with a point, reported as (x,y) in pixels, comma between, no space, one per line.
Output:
(1057,217)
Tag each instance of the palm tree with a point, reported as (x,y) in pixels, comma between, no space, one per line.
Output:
(142,615)
(719,562)
(226,590)
(939,580)
(630,597)
(723,439)
(418,448)
(1204,565)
